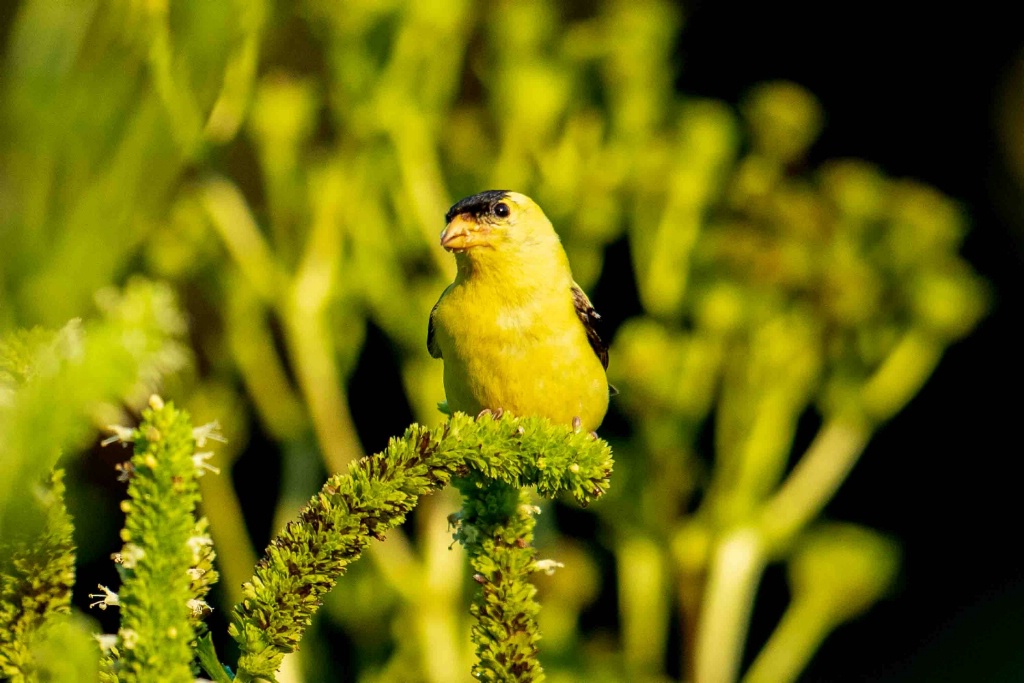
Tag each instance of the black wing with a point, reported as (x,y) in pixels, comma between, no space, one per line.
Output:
(432,347)
(589,317)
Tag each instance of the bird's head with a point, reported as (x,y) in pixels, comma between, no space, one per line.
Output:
(496,224)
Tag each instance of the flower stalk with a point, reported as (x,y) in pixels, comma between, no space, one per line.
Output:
(305,561)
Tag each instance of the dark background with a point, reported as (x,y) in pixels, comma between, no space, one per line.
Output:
(915,91)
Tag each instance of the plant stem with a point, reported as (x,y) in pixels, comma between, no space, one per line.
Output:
(317,373)
(643,605)
(791,646)
(497,531)
(814,480)
(736,565)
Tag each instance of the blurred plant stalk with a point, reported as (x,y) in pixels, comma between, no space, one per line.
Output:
(836,295)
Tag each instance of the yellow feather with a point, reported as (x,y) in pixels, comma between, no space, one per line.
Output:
(507,327)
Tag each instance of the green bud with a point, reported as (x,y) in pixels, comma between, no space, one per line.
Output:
(784,120)
(949,303)
(842,569)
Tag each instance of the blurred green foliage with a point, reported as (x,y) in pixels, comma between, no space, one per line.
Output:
(55,386)
(37,573)
(285,168)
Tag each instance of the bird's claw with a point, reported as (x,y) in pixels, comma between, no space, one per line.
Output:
(483,413)
(577,424)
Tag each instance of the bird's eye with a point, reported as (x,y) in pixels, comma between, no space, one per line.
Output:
(501,210)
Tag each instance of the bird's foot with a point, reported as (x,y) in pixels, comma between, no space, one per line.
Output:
(577,424)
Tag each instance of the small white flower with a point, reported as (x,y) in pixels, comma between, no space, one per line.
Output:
(198,608)
(107,598)
(529,510)
(196,545)
(125,471)
(199,461)
(211,431)
(547,566)
(130,555)
(107,641)
(125,435)
(129,638)
(195,573)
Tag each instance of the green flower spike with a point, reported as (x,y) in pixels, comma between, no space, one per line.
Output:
(497,532)
(303,563)
(166,561)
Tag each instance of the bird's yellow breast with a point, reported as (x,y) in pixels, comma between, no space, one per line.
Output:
(521,349)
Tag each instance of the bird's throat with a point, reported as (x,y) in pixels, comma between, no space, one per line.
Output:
(516,265)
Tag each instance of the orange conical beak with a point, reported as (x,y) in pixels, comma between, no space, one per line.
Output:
(462,233)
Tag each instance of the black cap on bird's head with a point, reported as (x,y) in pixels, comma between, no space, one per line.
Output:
(476,205)
(503,221)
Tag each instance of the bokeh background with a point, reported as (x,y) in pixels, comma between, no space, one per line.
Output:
(785,214)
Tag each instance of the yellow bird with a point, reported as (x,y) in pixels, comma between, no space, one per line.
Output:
(515,331)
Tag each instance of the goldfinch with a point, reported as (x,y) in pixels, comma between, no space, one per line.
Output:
(516,333)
